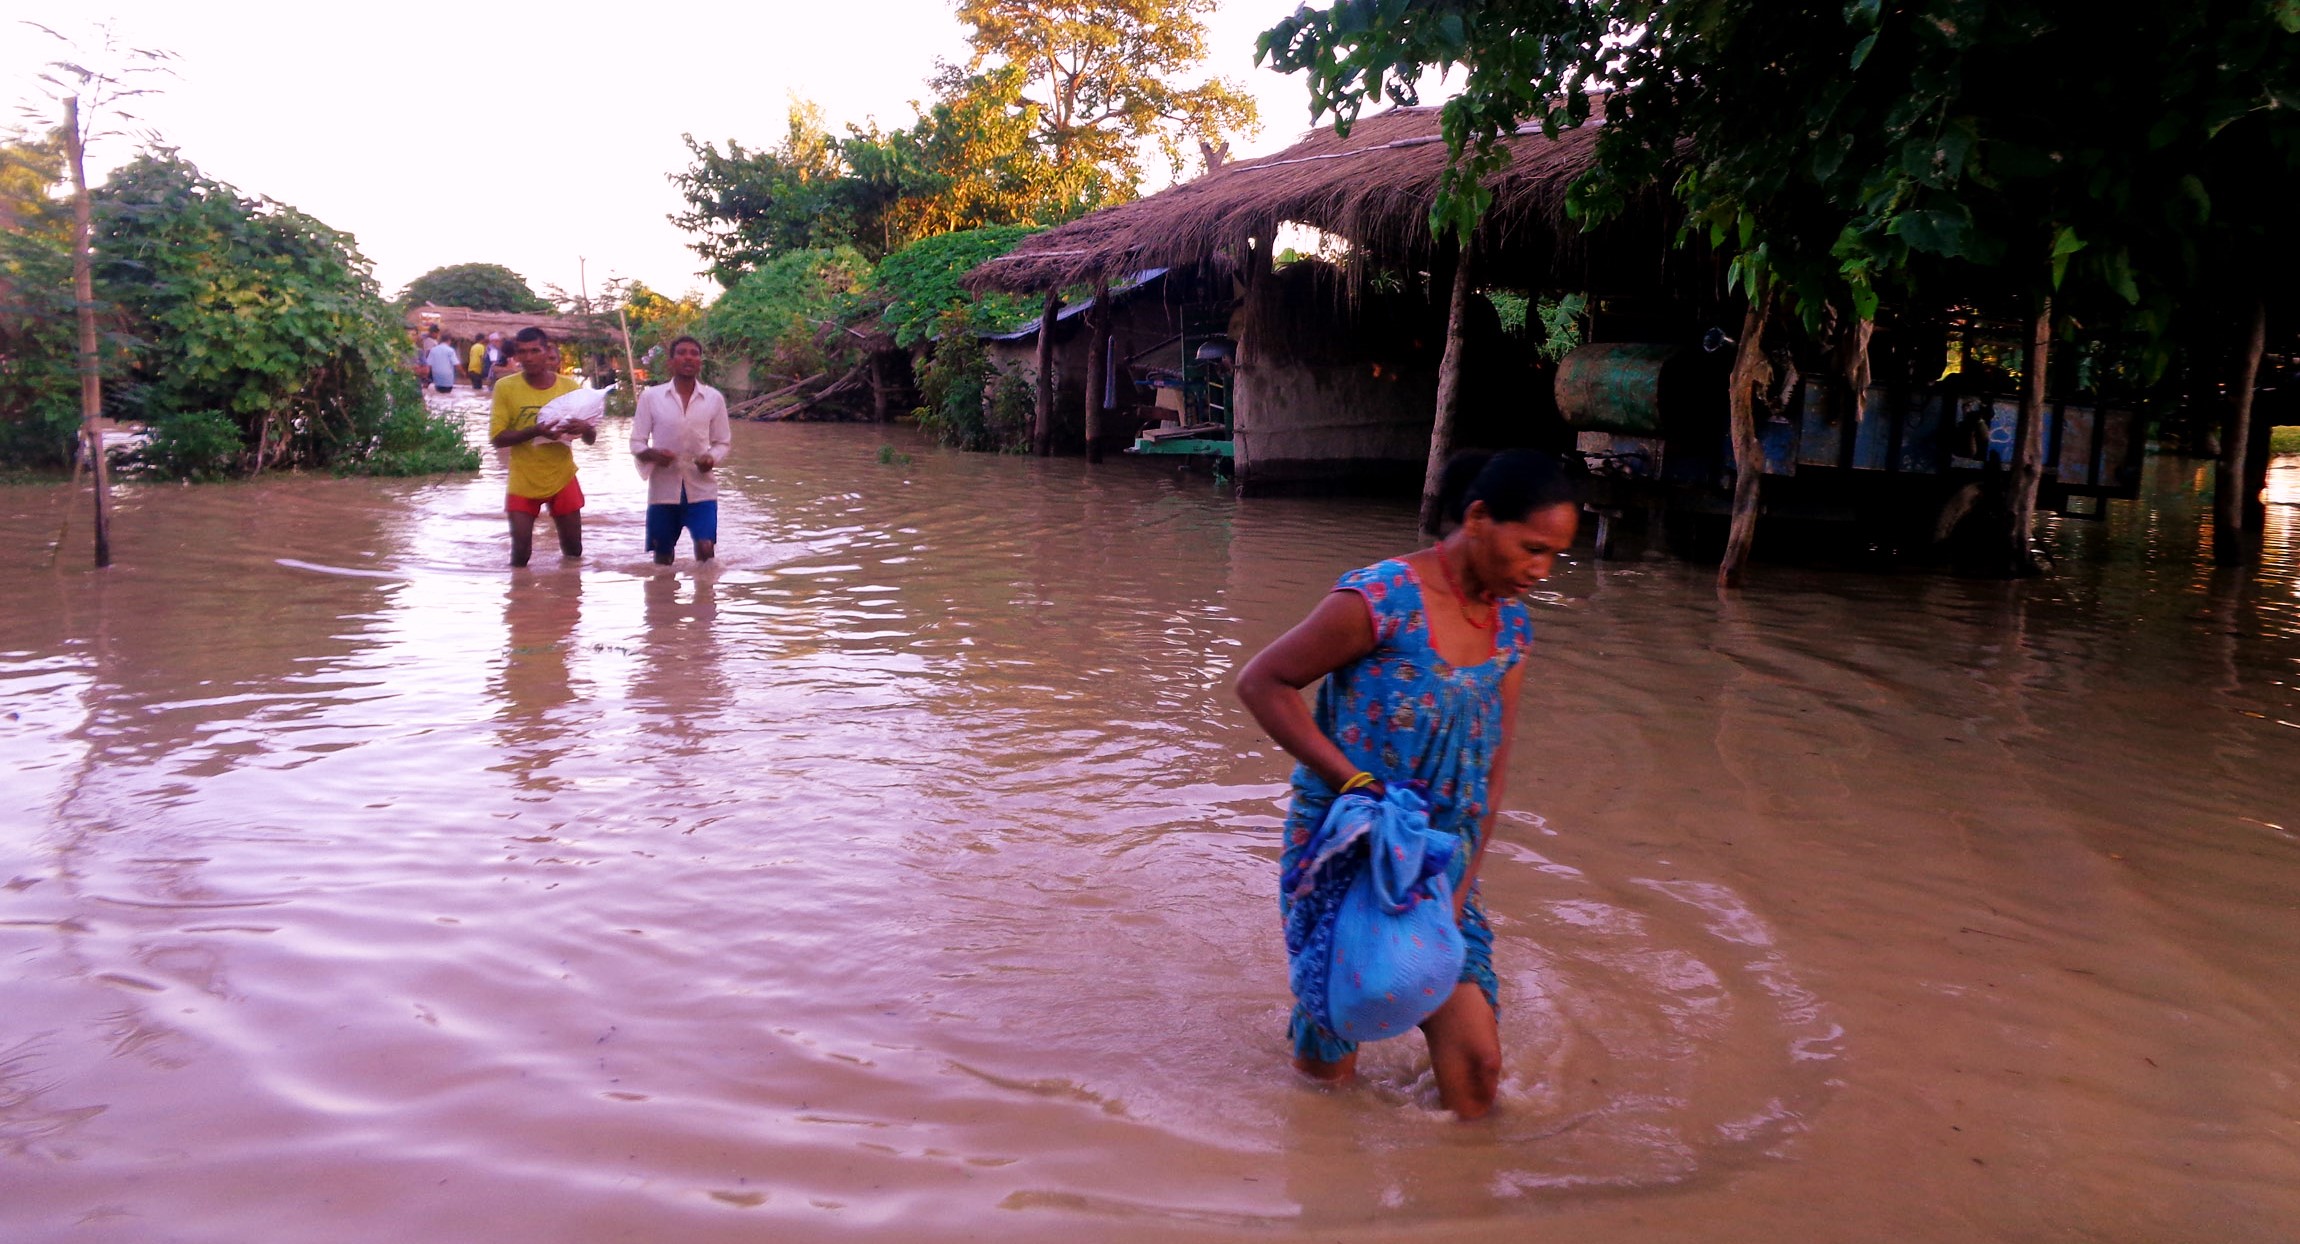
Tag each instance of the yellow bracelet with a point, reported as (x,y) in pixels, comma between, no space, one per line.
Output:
(1358,779)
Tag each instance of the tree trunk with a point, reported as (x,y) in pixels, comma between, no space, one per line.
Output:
(1042,425)
(84,293)
(2257,453)
(2028,443)
(1097,367)
(1748,454)
(1448,389)
(2230,540)
(1853,358)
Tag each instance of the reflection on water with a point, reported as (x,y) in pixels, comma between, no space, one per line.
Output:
(910,874)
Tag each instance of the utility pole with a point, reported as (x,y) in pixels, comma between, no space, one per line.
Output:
(84,294)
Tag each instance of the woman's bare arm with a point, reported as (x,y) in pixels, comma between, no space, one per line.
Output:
(1337,632)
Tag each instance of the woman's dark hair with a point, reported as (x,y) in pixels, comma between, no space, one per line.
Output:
(1513,484)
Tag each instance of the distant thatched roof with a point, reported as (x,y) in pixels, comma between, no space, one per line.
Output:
(465,323)
(1374,188)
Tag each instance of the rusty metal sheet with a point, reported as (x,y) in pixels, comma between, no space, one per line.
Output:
(1820,428)
(2073,456)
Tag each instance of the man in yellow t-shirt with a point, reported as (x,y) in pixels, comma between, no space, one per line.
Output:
(542,466)
(476,362)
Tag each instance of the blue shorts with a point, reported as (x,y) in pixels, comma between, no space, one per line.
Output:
(699,518)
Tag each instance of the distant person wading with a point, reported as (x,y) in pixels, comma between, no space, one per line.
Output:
(441,359)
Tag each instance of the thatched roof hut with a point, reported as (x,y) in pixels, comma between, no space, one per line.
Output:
(1373,187)
(465,324)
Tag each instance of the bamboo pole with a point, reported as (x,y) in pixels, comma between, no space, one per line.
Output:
(1097,367)
(2028,441)
(630,361)
(1748,453)
(2230,539)
(1448,388)
(84,294)
(1042,421)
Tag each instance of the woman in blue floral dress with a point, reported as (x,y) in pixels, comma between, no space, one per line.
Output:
(1423,657)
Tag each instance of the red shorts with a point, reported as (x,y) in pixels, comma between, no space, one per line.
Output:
(566,501)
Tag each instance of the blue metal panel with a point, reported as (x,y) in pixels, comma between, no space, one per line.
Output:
(2004,425)
(1930,416)
(1777,438)
(1873,433)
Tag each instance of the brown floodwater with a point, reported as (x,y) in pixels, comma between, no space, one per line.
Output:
(910,876)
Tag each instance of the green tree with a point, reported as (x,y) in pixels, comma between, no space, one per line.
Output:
(974,160)
(2052,161)
(746,206)
(1102,79)
(1048,120)
(39,376)
(259,337)
(479,286)
(788,315)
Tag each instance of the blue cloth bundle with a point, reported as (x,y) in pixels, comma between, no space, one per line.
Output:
(1371,936)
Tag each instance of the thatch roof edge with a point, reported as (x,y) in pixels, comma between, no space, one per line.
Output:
(1374,187)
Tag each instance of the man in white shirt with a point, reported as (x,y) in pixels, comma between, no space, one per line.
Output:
(680,436)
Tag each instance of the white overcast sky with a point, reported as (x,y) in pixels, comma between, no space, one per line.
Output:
(529,134)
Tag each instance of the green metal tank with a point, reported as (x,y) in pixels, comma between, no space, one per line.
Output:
(1613,387)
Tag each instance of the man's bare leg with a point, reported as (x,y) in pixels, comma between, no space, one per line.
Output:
(705,550)
(522,537)
(570,532)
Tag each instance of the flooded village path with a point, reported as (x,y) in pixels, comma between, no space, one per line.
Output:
(911,877)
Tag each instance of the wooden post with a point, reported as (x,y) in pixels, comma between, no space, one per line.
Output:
(1448,388)
(630,361)
(84,294)
(1748,455)
(2028,441)
(2230,541)
(1097,367)
(1042,425)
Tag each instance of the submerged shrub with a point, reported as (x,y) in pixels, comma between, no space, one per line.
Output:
(189,444)
(414,442)
(250,315)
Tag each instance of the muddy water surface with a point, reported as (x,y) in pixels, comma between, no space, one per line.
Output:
(910,875)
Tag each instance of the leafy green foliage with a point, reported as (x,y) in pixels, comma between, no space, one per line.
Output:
(746,206)
(190,444)
(1046,121)
(1933,151)
(921,282)
(252,313)
(39,341)
(1560,323)
(788,314)
(1100,78)
(413,441)
(967,401)
(479,286)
